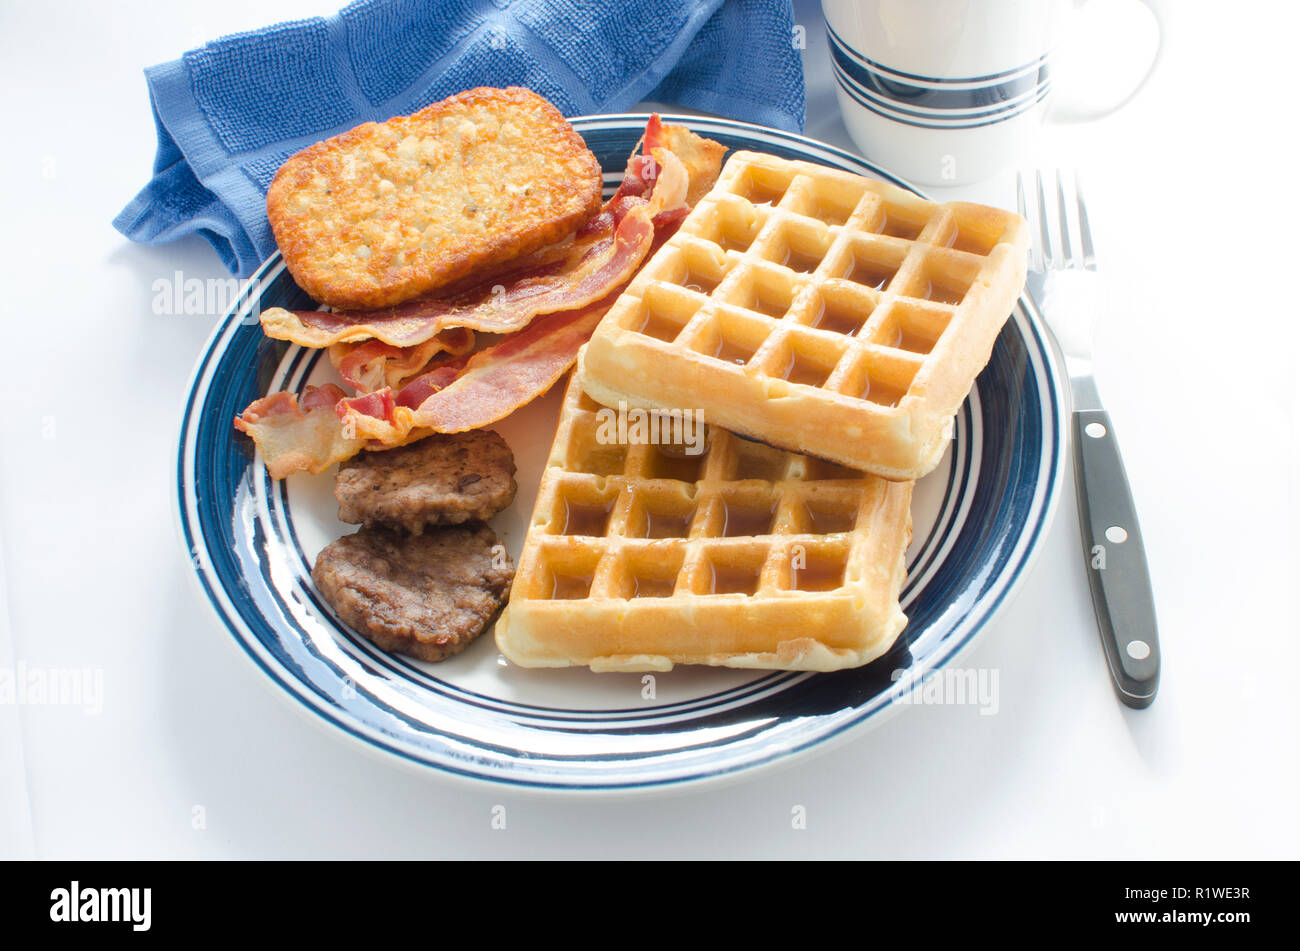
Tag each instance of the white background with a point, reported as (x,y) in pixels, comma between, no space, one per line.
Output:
(1191,192)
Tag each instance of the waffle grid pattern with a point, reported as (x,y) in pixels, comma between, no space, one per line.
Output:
(746,505)
(651,524)
(830,289)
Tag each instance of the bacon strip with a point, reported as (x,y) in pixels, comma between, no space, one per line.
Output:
(426,384)
(593,266)
(475,391)
(372,364)
(520,370)
(411,398)
(701,157)
(299,435)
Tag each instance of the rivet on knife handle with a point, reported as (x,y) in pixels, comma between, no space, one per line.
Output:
(1116,560)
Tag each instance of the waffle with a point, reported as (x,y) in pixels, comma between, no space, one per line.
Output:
(818,311)
(642,556)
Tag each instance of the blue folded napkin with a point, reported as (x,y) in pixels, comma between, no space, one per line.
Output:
(229,114)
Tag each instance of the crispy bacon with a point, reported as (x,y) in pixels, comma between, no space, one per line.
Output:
(296,435)
(522,369)
(426,384)
(653,136)
(638,180)
(597,264)
(701,157)
(559,301)
(475,391)
(372,364)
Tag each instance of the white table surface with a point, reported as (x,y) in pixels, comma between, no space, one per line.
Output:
(1191,190)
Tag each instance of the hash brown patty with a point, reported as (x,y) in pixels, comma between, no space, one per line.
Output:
(440,480)
(390,211)
(424,595)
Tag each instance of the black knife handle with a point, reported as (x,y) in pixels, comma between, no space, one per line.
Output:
(1116,561)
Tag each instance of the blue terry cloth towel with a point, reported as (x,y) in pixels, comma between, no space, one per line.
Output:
(229,114)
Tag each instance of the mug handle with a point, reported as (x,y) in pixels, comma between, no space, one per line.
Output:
(1088,115)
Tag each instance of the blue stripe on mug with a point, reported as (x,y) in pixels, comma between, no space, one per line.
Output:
(953,117)
(945,117)
(898,74)
(970,101)
(965,121)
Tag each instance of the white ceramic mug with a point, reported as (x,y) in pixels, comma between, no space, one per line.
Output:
(945,92)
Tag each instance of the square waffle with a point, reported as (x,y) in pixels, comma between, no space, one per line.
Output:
(639,557)
(816,310)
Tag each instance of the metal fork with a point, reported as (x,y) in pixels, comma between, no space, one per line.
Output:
(1065,286)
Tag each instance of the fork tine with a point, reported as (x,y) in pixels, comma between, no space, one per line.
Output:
(1044,233)
(1085,233)
(1023,211)
(1067,255)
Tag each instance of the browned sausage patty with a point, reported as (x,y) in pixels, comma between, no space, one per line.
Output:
(441,480)
(425,595)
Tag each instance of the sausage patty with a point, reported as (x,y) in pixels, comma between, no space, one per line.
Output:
(440,480)
(425,595)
